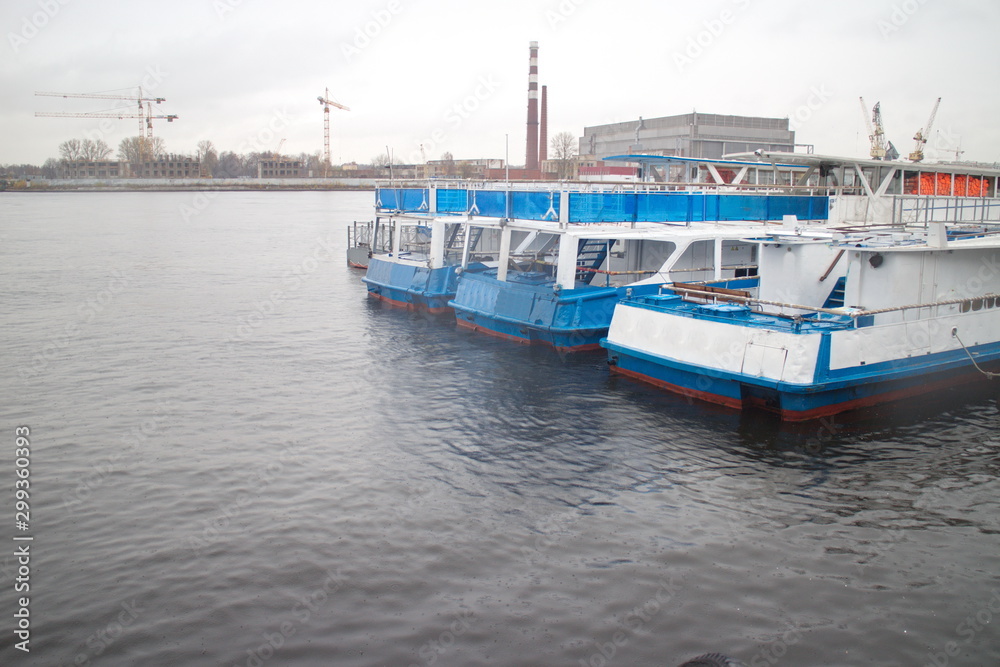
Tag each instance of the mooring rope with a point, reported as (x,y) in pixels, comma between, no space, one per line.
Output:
(954,332)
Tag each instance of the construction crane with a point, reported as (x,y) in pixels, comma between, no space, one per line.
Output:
(957,151)
(100,114)
(922,134)
(147,118)
(327,103)
(145,128)
(102,96)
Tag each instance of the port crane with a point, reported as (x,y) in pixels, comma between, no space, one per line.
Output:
(876,133)
(327,103)
(882,148)
(922,134)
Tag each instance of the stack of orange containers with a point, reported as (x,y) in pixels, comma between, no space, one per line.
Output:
(944,184)
(961,184)
(926,184)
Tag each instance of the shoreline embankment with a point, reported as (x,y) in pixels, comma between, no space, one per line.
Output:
(186,184)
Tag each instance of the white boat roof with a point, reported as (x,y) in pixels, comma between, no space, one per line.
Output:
(653,230)
(985,242)
(728,161)
(812,159)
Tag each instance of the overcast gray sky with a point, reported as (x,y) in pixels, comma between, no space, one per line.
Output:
(453,74)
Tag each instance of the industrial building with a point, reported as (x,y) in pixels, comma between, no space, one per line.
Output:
(168,166)
(281,168)
(92,169)
(700,135)
(479,168)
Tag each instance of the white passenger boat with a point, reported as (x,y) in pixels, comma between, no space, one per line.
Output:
(917,306)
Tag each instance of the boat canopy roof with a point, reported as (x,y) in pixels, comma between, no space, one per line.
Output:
(920,245)
(814,160)
(883,239)
(726,162)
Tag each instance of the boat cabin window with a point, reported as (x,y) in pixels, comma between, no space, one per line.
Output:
(697,262)
(633,260)
(978,304)
(943,184)
(895,185)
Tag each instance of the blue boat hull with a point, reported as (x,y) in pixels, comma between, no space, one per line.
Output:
(413,287)
(526,309)
(873,386)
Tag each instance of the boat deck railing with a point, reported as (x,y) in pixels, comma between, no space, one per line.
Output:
(924,209)
(859,316)
(369,235)
(616,187)
(608,205)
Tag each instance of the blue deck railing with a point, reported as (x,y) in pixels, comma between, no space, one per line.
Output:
(674,207)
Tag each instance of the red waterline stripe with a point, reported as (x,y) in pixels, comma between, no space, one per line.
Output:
(802,415)
(472,326)
(878,399)
(410,306)
(677,389)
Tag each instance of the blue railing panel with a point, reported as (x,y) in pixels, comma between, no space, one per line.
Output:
(675,207)
(452,201)
(602,206)
(416,199)
(743,207)
(535,205)
(385,199)
(488,203)
(772,207)
(403,199)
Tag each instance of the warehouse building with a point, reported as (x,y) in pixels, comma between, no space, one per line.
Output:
(699,135)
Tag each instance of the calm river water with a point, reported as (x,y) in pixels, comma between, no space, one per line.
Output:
(238,459)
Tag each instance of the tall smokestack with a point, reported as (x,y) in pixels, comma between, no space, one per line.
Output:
(531,151)
(543,132)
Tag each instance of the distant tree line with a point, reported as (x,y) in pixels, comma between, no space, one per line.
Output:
(228,164)
(225,164)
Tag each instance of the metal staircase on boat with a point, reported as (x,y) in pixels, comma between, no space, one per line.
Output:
(456,240)
(836,298)
(590,255)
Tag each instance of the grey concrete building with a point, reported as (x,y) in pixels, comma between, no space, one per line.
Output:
(92,169)
(281,168)
(702,135)
(167,166)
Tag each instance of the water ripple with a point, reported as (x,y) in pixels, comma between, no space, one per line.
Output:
(248,467)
